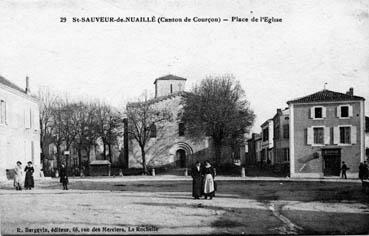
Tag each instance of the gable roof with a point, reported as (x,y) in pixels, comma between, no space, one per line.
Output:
(169,77)
(326,96)
(10,84)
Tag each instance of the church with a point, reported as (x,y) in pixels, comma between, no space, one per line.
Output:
(171,147)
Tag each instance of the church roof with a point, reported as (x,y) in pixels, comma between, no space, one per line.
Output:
(10,84)
(326,96)
(169,77)
(159,99)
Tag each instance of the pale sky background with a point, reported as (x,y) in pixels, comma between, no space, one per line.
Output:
(317,42)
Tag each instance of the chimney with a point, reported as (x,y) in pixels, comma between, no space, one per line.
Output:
(28,91)
(279,111)
(350,92)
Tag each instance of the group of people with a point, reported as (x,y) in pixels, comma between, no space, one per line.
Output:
(203,180)
(24,176)
(363,171)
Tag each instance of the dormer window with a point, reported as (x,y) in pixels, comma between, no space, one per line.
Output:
(318,112)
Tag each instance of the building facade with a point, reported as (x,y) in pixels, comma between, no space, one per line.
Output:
(267,144)
(19,128)
(281,136)
(252,158)
(326,128)
(171,146)
(367,138)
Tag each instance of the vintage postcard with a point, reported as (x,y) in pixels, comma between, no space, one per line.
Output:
(184,117)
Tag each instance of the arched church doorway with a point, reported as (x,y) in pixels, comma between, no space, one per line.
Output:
(181,158)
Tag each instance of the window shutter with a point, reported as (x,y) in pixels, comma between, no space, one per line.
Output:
(324,112)
(350,111)
(336,135)
(310,136)
(353,134)
(327,135)
(36,120)
(7,113)
(338,111)
(31,120)
(26,119)
(312,113)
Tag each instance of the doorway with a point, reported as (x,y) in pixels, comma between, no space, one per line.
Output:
(332,162)
(181,158)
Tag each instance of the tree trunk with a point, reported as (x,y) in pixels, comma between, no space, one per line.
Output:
(144,168)
(58,156)
(88,150)
(104,152)
(110,156)
(218,154)
(80,159)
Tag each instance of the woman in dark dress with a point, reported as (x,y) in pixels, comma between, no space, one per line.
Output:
(197,180)
(29,183)
(63,177)
(209,185)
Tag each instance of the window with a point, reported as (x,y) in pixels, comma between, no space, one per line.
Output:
(153,131)
(286,154)
(318,135)
(344,111)
(171,88)
(2,112)
(181,129)
(265,134)
(318,112)
(286,131)
(345,135)
(276,132)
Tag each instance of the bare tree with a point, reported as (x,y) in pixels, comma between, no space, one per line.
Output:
(144,119)
(108,126)
(47,104)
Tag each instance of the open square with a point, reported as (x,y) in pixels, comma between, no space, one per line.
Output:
(164,205)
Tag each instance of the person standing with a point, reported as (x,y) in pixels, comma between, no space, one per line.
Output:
(29,182)
(197,180)
(344,168)
(63,176)
(209,184)
(365,170)
(18,176)
(361,171)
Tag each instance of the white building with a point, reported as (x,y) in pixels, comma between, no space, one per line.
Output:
(19,128)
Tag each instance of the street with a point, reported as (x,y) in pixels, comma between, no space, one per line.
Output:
(123,205)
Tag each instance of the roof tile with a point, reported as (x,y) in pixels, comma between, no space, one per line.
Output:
(326,96)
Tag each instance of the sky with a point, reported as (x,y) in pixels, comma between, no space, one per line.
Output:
(317,42)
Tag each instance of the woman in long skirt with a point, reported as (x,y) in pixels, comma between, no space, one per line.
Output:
(18,176)
(209,186)
(197,181)
(29,183)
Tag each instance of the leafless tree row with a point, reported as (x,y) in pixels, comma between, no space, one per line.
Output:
(77,125)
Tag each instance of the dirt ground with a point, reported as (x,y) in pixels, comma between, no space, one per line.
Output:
(129,206)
